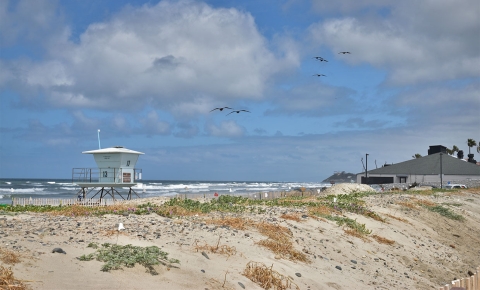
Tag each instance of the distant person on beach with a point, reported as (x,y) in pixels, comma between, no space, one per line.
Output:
(79,197)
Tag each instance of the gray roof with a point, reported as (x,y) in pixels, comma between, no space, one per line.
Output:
(430,164)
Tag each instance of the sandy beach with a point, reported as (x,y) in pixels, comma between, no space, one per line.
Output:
(406,244)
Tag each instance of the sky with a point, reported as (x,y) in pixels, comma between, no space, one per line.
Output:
(148,74)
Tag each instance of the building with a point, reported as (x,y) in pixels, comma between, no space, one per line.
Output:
(423,169)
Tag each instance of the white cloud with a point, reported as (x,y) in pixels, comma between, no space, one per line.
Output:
(31,21)
(152,125)
(225,129)
(417,41)
(164,55)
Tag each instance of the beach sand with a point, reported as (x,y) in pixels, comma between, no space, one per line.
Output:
(427,250)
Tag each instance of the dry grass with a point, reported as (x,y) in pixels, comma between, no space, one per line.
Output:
(424,202)
(279,241)
(408,204)
(320,210)
(398,218)
(355,233)
(383,240)
(413,203)
(109,233)
(278,238)
(9,257)
(291,217)
(274,232)
(234,222)
(217,249)
(8,281)
(268,278)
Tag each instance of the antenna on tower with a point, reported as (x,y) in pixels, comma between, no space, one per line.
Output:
(99,147)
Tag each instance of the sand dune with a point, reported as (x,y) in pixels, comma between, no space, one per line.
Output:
(413,248)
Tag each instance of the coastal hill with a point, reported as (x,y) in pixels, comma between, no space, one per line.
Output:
(341,177)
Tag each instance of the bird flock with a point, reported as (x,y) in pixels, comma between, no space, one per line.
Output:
(233,111)
(321,59)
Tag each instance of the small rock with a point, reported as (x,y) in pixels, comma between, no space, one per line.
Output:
(203,271)
(241,285)
(205,255)
(353,261)
(338,267)
(58,250)
(298,274)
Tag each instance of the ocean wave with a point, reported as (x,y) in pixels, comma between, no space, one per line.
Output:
(22,190)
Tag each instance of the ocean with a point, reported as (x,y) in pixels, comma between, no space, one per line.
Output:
(64,188)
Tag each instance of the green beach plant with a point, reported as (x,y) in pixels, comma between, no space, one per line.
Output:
(117,256)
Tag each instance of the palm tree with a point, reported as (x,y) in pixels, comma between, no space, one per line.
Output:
(454,149)
(478,148)
(416,156)
(470,144)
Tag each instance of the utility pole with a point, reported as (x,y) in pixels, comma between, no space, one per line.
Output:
(441,171)
(366,168)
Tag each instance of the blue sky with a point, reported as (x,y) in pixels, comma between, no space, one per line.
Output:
(148,74)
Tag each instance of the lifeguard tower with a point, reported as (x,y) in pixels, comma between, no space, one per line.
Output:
(116,169)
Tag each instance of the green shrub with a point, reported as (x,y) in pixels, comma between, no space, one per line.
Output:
(116,256)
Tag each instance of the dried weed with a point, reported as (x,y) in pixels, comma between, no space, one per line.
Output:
(383,240)
(355,233)
(398,218)
(8,281)
(291,217)
(234,222)
(9,257)
(217,249)
(320,210)
(268,278)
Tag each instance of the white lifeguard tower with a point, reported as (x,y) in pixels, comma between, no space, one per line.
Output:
(116,169)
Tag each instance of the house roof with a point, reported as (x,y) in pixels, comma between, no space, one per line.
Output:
(116,149)
(430,164)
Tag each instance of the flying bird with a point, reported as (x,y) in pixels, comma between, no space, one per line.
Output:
(238,111)
(319,75)
(344,52)
(221,109)
(320,58)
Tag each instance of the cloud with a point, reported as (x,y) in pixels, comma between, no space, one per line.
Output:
(362,123)
(30,22)
(419,42)
(163,55)
(225,129)
(313,99)
(152,125)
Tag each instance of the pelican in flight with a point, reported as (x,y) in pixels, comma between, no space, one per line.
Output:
(221,109)
(319,75)
(237,111)
(344,52)
(320,58)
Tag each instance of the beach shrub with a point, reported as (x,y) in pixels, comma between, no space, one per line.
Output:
(446,212)
(117,256)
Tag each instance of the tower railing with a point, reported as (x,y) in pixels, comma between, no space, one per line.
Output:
(103,175)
